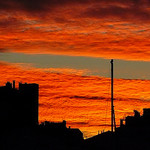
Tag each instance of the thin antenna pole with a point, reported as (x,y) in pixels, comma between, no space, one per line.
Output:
(114,121)
(112,96)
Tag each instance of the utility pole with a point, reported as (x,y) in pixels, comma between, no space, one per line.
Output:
(113,123)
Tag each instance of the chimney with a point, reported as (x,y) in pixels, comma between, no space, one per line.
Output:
(13,84)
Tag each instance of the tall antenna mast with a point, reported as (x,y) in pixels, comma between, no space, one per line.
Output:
(113,123)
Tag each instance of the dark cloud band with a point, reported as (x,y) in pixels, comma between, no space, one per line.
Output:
(129,9)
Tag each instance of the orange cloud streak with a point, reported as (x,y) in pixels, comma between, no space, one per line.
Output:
(83,101)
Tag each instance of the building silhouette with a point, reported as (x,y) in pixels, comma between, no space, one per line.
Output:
(136,121)
(133,134)
(57,131)
(29,95)
(19,107)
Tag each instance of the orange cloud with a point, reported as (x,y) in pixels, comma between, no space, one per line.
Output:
(116,29)
(83,101)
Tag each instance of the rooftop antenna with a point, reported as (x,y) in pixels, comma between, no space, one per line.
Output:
(113,123)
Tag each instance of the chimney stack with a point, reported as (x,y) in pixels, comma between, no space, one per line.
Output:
(13,84)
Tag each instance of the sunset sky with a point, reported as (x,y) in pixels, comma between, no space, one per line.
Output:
(66,45)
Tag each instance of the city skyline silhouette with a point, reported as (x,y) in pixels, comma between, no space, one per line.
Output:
(20,115)
(64,48)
